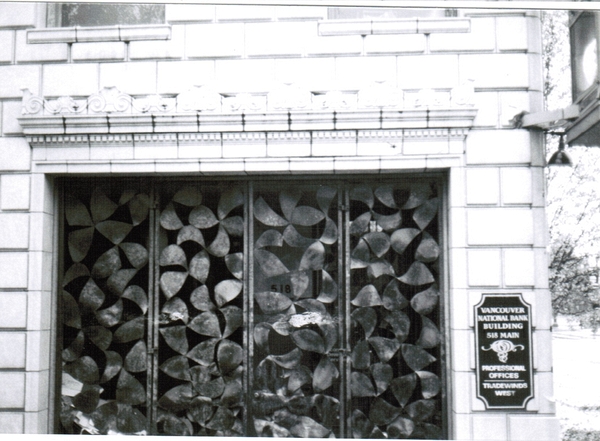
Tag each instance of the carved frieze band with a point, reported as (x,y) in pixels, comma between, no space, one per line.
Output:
(286,97)
(379,106)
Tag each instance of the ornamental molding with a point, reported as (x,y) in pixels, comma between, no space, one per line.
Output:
(391,137)
(289,107)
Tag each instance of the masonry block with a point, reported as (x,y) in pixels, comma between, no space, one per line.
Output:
(533,428)
(215,40)
(458,276)
(241,12)
(352,164)
(484,267)
(538,178)
(490,427)
(178,76)
(104,152)
(11,110)
(133,78)
(268,166)
(463,354)
(544,401)
(495,70)
(13,270)
(67,153)
(386,145)
(483,186)
(442,162)
(457,193)
(41,232)
(175,13)
(542,350)
(7,39)
(300,12)
(480,38)
(462,426)
(310,73)
(18,15)
(517,186)
(458,228)
(536,72)
(259,75)
(393,164)
(40,271)
(360,72)
(38,305)
(12,350)
(15,78)
(534,37)
(222,166)
(425,147)
(511,33)
(173,48)
(69,79)
(102,50)
(541,268)
(463,392)
(513,103)
(38,350)
(277,38)
(13,310)
(497,226)
(394,44)
(460,307)
(14,192)
(519,267)
(12,385)
(428,71)
(37,389)
(334,45)
(15,230)
(37,422)
(15,154)
(499,147)
(27,53)
(486,104)
(149,151)
(131,167)
(11,422)
(311,165)
(42,187)
(168,167)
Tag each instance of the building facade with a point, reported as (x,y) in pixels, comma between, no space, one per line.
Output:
(274,221)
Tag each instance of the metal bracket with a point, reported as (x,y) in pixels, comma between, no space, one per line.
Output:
(549,119)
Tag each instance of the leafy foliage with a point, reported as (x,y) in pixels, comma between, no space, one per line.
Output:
(573,194)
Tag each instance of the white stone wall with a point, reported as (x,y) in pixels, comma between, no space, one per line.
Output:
(496,222)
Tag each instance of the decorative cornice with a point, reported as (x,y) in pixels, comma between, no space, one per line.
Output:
(287,108)
(394,26)
(99,33)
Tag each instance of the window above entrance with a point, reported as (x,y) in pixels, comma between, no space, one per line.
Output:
(103,14)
